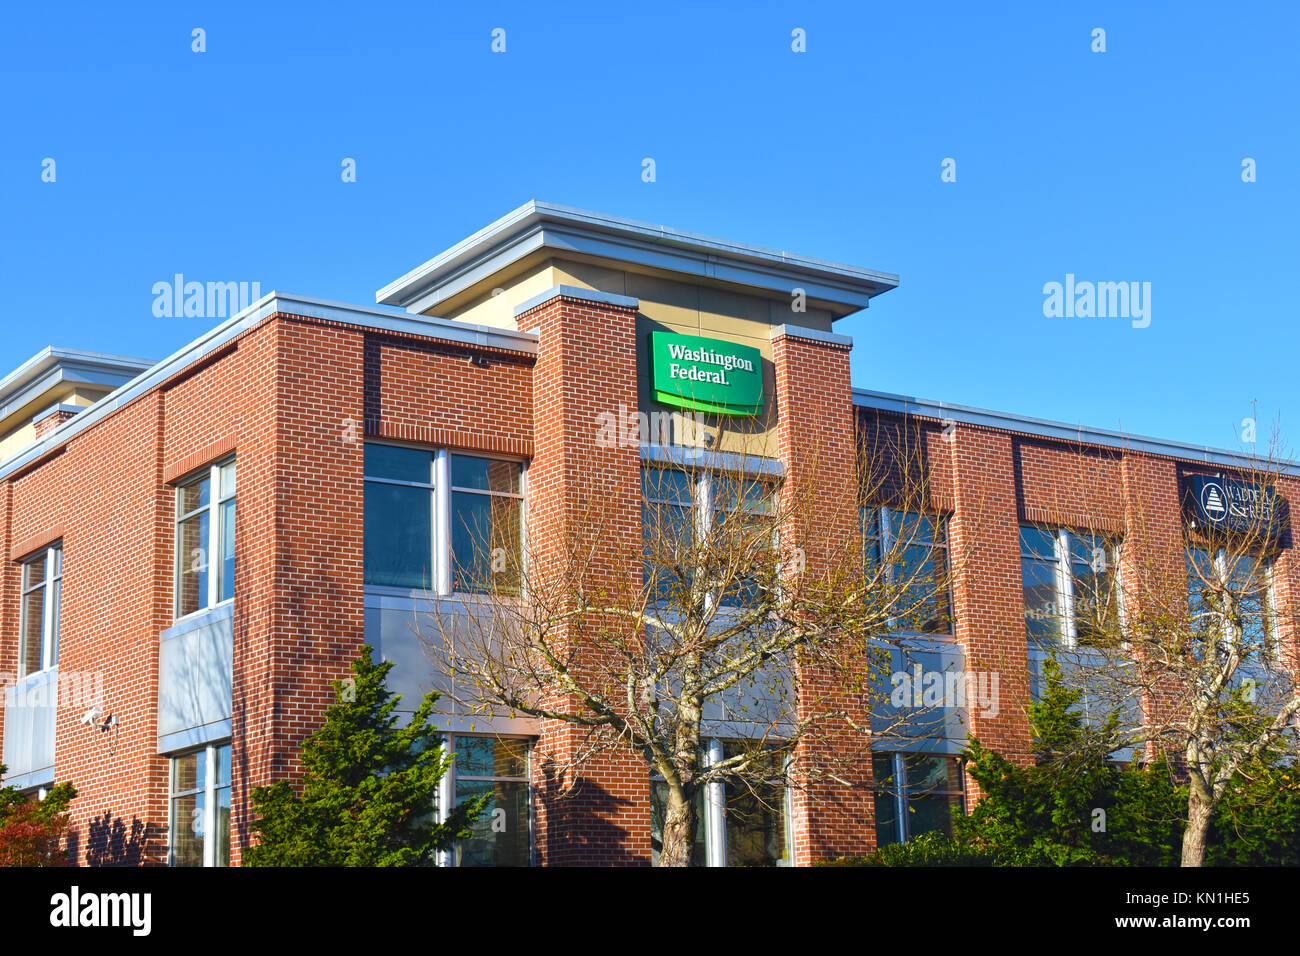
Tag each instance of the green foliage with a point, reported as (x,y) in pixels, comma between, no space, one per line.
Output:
(1258,821)
(1051,812)
(32,831)
(368,787)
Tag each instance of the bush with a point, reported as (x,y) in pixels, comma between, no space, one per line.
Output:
(32,831)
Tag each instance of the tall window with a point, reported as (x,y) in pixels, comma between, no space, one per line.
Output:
(1070,586)
(442,522)
(917,572)
(498,767)
(1215,579)
(42,595)
(205,539)
(915,793)
(739,823)
(715,510)
(200,807)
(486,524)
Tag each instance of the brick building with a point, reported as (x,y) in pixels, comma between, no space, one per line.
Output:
(194,549)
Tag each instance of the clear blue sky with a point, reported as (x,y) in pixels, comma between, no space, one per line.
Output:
(1115,166)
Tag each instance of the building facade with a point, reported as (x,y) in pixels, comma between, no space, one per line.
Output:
(196,549)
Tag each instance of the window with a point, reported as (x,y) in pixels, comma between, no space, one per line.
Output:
(715,509)
(739,823)
(442,522)
(42,598)
(915,793)
(1247,581)
(917,574)
(1070,586)
(498,767)
(486,524)
(200,807)
(205,540)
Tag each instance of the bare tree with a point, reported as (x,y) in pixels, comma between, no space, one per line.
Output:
(715,624)
(1178,628)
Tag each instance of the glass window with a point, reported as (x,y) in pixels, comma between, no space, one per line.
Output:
(745,821)
(200,807)
(1245,582)
(486,524)
(755,814)
(744,511)
(915,793)
(498,767)
(717,510)
(916,575)
(42,583)
(205,540)
(399,517)
(481,550)
(1070,584)
(668,528)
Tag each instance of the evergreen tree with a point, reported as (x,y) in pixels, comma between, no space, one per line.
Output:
(368,789)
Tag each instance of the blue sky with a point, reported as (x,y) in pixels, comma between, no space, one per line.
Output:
(1115,166)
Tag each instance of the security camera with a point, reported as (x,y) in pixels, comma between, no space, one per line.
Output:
(91,717)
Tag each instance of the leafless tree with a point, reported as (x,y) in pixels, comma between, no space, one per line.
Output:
(1188,633)
(755,611)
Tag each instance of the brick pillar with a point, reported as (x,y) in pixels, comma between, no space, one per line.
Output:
(1286,589)
(988,606)
(815,440)
(56,417)
(299,615)
(1152,560)
(586,365)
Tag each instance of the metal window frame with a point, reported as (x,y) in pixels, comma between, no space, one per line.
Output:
(441,490)
(216,535)
(1062,538)
(209,791)
(446,798)
(885,525)
(903,829)
(714,816)
(51,584)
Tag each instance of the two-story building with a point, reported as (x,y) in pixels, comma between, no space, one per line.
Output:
(195,549)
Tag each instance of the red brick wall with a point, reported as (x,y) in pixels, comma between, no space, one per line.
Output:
(281,398)
(816,441)
(586,365)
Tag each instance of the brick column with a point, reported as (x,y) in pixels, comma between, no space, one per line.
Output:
(988,606)
(815,440)
(586,365)
(299,614)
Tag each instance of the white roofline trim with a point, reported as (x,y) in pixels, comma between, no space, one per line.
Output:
(1060,431)
(537,224)
(461,333)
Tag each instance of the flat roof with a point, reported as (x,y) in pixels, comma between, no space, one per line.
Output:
(1060,431)
(53,366)
(537,226)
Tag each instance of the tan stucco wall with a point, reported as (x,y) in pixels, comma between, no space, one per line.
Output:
(670,305)
(17,431)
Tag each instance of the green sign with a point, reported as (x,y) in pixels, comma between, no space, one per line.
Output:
(706,375)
